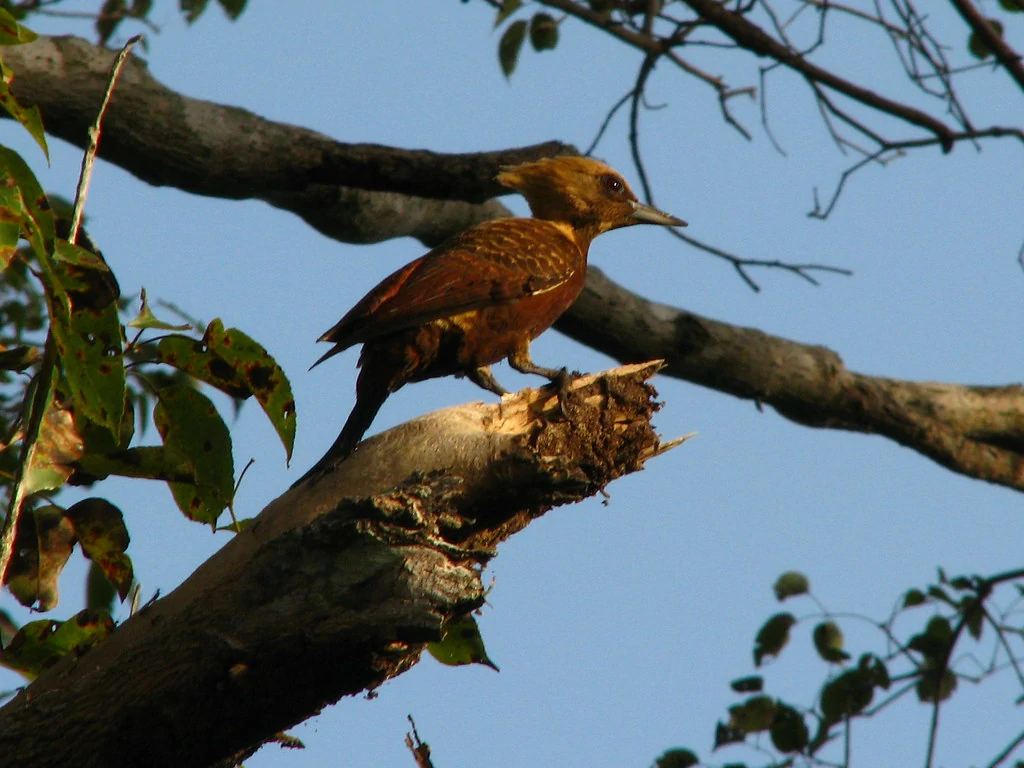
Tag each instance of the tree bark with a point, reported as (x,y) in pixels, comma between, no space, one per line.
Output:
(337,585)
(361,193)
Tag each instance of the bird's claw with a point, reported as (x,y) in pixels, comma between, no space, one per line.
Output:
(561,385)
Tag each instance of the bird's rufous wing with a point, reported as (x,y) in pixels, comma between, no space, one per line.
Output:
(493,263)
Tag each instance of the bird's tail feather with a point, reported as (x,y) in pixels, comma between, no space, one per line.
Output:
(371,392)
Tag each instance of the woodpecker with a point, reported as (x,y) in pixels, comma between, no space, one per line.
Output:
(485,294)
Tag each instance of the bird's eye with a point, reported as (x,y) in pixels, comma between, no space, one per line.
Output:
(612,184)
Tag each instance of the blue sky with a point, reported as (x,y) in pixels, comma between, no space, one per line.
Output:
(617,627)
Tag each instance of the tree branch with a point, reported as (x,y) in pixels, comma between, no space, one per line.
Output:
(336,586)
(976,431)
(359,193)
(1005,55)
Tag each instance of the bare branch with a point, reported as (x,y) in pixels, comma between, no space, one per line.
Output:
(809,384)
(89,158)
(1005,55)
(753,38)
(606,122)
(896,149)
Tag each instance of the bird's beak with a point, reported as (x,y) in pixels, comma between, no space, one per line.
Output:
(645,214)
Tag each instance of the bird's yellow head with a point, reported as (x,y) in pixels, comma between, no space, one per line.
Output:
(582,192)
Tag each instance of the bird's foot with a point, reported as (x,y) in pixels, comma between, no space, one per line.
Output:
(561,385)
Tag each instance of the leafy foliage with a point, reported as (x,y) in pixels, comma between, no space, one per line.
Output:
(39,644)
(107,20)
(542,30)
(923,663)
(76,394)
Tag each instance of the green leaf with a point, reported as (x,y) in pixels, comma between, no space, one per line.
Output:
(140,8)
(828,642)
(233,8)
(29,652)
(37,219)
(913,598)
(82,294)
(145,462)
(791,584)
(147,320)
(19,358)
(754,715)
(875,669)
(753,684)
(13,33)
(11,214)
(39,644)
(111,15)
(192,9)
(195,358)
(937,683)
(677,758)
(261,374)
(935,641)
(789,729)
(461,643)
(233,363)
(974,615)
(543,32)
(42,547)
(772,637)
(847,695)
(29,117)
(190,426)
(726,735)
(100,440)
(238,527)
(8,629)
(57,447)
(939,628)
(1012,6)
(102,534)
(510,45)
(508,7)
(976,43)
(99,593)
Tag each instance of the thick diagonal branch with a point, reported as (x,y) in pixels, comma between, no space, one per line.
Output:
(336,586)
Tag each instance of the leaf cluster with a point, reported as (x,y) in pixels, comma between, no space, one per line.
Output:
(79,382)
(541,28)
(928,658)
(112,13)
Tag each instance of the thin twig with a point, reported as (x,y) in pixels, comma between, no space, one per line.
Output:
(740,264)
(634,124)
(606,122)
(89,159)
(1008,751)
(896,148)
(933,726)
(420,750)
